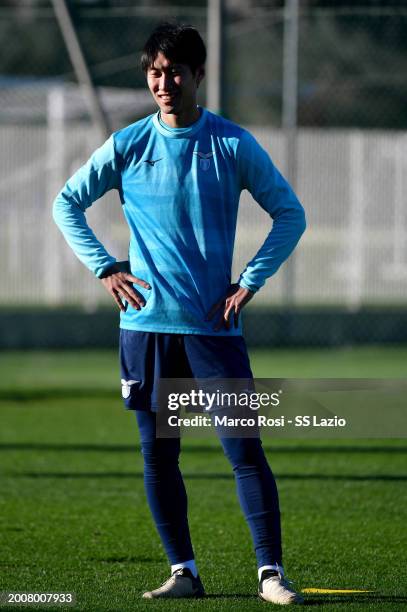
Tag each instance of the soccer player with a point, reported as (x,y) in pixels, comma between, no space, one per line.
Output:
(179,174)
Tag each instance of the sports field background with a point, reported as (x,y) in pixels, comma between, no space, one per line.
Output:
(73,516)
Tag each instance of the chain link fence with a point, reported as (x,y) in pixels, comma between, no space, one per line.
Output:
(351,146)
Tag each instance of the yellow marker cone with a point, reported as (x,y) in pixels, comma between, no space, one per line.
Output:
(335,591)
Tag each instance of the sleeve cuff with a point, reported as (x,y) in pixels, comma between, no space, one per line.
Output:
(245,285)
(101,271)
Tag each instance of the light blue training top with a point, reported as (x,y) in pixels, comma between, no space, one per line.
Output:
(180,190)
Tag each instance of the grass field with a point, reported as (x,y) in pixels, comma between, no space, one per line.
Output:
(73,516)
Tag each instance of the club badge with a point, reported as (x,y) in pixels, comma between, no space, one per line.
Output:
(204,160)
(126,387)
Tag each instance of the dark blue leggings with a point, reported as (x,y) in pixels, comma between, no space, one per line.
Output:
(167,498)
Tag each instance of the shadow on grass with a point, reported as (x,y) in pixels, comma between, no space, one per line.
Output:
(34,395)
(373,598)
(229,596)
(211,476)
(322,600)
(201,448)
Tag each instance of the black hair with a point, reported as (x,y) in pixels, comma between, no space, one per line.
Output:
(178,43)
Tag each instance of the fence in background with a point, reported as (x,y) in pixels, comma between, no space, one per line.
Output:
(351,144)
(351,183)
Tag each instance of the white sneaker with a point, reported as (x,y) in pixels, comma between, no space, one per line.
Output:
(275,589)
(181,583)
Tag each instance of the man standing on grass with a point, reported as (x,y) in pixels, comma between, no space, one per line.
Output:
(179,173)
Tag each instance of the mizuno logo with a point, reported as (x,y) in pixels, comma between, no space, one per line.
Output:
(151,162)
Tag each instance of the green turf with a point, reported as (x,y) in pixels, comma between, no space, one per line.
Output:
(98,369)
(73,515)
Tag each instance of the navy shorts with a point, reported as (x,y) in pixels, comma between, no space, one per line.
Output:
(146,357)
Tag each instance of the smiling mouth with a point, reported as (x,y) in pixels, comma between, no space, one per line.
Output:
(167,98)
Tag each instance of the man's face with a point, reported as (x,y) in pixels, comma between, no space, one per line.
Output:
(173,86)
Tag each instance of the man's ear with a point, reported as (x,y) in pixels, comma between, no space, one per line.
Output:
(200,73)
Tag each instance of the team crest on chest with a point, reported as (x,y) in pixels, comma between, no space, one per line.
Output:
(204,160)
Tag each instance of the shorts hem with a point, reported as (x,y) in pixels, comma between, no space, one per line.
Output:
(184,332)
(143,408)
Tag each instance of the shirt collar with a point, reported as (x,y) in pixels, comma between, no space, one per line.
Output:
(184,132)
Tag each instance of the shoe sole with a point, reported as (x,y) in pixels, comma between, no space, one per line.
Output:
(297,602)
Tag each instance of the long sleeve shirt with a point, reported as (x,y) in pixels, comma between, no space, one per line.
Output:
(179,189)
